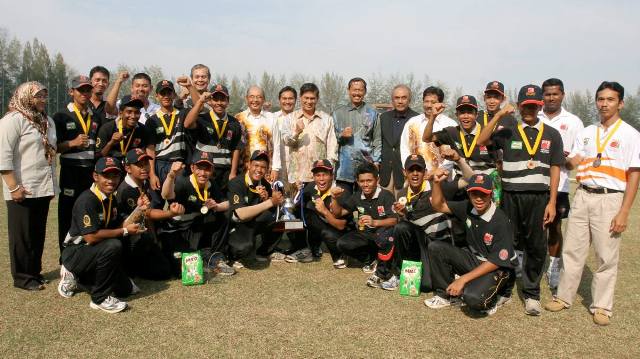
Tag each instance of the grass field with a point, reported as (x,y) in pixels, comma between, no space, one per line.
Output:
(304,310)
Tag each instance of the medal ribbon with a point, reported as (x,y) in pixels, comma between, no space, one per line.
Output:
(167,129)
(124,148)
(105,214)
(486,117)
(214,119)
(194,183)
(85,125)
(323,196)
(411,195)
(248,182)
(601,146)
(468,152)
(530,150)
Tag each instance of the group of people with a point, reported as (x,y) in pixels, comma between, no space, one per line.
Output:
(479,200)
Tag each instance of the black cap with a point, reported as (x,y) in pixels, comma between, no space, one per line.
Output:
(129,101)
(495,86)
(322,165)
(80,81)
(136,155)
(480,182)
(415,160)
(165,84)
(466,101)
(201,156)
(530,94)
(107,164)
(260,155)
(218,88)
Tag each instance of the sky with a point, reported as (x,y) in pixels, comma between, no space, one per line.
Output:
(461,43)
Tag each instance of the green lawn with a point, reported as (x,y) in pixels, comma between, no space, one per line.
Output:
(304,310)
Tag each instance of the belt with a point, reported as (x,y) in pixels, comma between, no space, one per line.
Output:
(602,190)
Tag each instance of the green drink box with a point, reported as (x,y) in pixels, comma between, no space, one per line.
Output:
(410,278)
(192,271)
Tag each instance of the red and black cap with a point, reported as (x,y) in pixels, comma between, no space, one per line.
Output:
(136,155)
(415,160)
(480,182)
(530,94)
(219,88)
(107,164)
(260,155)
(80,81)
(467,101)
(129,101)
(495,86)
(165,84)
(201,156)
(322,165)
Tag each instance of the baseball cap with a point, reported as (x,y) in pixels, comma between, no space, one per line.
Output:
(259,155)
(322,165)
(107,164)
(495,86)
(415,160)
(80,81)
(136,155)
(218,88)
(129,101)
(164,84)
(201,156)
(467,101)
(530,94)
(480,182)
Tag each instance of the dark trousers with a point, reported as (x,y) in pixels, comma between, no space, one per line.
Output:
(447,260)
(412,244)
(319,231)
(221,177)
(526,212)
(143,257)
(27,225)
(73,181)
(349,187)
(98,267)
(363,246)
(243,241)
(162,169)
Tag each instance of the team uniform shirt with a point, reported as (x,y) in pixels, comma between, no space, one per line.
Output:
(257,132)
(145,113)
(489,236)
(484,117)
(100,112)
(243,193)
(186,195)
(481,159)
(220,141)
(419,211)
(379,206)
(167,136)
(128,193)
(516,176)
(136,138)
(68,127)
(411,139)
(620,153)
(569,126)
(92,212)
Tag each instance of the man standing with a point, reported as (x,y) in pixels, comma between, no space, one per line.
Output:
(355,126)
(140,89)
(607,157)
(569,126)
(493,98)
(283,129)
(257,125)
(388,135)
(99,77)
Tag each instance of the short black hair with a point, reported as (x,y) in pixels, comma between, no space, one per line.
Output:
(611,85)
(367,167)
(553,82)
(357,79)
(99,69)
(432,90)
(309,87)
(141,75)
(288,88)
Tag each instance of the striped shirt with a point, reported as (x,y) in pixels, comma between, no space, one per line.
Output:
(169,146)
(419,212)
(208,140)
(68,127)
(482,158)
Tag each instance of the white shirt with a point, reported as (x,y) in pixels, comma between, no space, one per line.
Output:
(282,141)
(569,126)
(411,139)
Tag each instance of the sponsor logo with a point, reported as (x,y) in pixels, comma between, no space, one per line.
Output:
(614,144)
(71,126)
(159,130)
(381,211)
(86,220)
(192,198)
(564,127)
(531,91)
(503,254)
(545,144)
(488,239)
(236,199)
(131,202)
(68,192)
(516,145)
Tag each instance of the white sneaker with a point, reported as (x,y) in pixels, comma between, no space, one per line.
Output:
(134,288)
(237,265)
(68,284)
(110,305)
(371,267)
(437,302)
(532,307)
(340,264)
(502,301)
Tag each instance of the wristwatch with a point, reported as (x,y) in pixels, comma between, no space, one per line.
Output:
(125,232)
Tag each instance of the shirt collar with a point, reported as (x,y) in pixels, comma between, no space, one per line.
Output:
(70,108)
(473,132)
(162,112)
(356,108)
(398,114)
(488,214)
(94,189)
(536,126)
(542,115)
(375,195)
(129,180)
(300,114)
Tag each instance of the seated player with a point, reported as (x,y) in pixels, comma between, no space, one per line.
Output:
(92,254)
(252,211)
(372,207)
(485,263)
(124,133)
(203,226)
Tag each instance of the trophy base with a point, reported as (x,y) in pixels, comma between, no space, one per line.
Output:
(294,225)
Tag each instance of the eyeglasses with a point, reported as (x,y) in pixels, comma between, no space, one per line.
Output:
(41,97)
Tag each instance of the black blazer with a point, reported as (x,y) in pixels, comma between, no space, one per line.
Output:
(390,162)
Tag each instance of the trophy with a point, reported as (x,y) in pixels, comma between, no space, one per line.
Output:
(286,221)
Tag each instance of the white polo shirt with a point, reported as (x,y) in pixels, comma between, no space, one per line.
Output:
(411,139)
(569,126)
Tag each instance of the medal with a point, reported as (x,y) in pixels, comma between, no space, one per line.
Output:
(106,214)
(124,148)
(85,125)
(601,146)
(202,196)
(204,210)
(167,141)
(531,164)
(531,150)
(469,151)
(402,201)
(598,161)
(167,129)
(219,131)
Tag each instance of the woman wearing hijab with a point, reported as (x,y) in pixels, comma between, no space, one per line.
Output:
(27,165)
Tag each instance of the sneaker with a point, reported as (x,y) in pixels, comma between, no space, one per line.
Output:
(502,301)
(134,288)
(371,267)
(391,283)
(303,256)
(374,281)
(68,284)
(277,257)
(340,264)
(237,265)
(491,311)
(110,305)
(437,302)
(600,317)
(222,268)
(556,305)
(532,307)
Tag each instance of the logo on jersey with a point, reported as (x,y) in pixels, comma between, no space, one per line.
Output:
(484,150)
(516,145)
(361,210)
(564,127)
(192,198)
(229,135)
(503,254)
(488,239)
(381,211)
(614,144)
(159,130)
(545,144)
(98,142)
(236,199)
(131,202)
(71,125)
(68,192)
(86,220)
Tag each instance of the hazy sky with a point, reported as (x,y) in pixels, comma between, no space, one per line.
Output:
(463,43)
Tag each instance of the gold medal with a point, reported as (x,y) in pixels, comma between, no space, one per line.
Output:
(166,141)
(204,210)
(402,201)
(219,131)
(202,196)
(601,146)
(598,161)
(167,128)
(531,164)
(531,150)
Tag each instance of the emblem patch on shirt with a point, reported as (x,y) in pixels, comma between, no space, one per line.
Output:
(86,220)
(503,254)
(210,130)
(516,145)
(468,223)
(236,199)
(192,198)
(98,142)
(614,144)
(71,126)
(488,239)
(361,210)
(381,211)
(563,127)
(159,130)
(68,192)
(229,135)
(131,203)
(545,144)
(484,150)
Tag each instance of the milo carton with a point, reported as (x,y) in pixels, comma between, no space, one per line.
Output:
(192,273)
(410,277)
